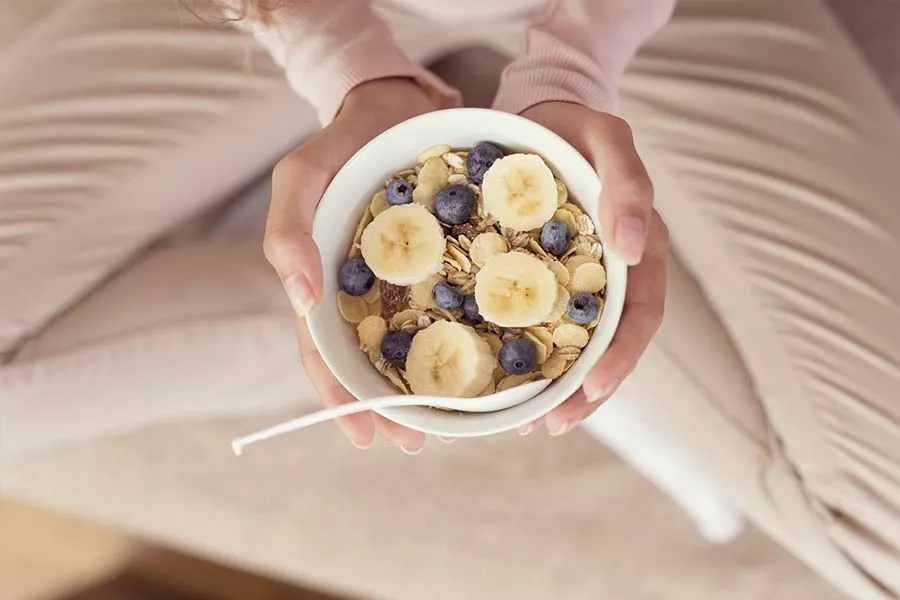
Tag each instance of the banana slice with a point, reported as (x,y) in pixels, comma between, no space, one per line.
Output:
(520,191)
(403,245)
(515,290)
(449,359)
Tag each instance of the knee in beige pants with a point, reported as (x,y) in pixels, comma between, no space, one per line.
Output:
(771,146)
(106,145)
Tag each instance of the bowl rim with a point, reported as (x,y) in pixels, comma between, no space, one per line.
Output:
(475,424)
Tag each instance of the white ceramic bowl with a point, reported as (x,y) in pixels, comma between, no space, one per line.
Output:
(349,194)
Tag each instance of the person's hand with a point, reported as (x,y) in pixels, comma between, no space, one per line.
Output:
(298,182)
(634,231)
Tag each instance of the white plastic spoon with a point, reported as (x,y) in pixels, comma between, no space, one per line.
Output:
(493,402)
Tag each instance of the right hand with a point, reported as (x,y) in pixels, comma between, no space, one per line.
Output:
(298,182)
(635,232)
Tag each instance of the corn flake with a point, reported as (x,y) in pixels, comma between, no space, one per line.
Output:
(554,366)
(371,331)
(573,208)
(589,277)
(574,262)
(567,218)
(562,193)
(569,353)
(542,335)
(512,381)
(542,352)
(352,308)
(569,334)
(493,341)
(432,152)
(560,306)
(561,272)
(379,203)
(486,245)
(432,177)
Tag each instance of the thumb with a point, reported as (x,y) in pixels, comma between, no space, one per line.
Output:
(297,186)
(626,204)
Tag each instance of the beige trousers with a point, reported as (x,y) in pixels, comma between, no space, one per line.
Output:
(774,155)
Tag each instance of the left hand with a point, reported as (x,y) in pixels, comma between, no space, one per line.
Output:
(633,230)
(298,182)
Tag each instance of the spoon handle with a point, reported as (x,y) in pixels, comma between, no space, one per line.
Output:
(326,414)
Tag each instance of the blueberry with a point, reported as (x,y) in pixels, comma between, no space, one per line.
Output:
(518,356)
(470,309)
(399,192)
(555,237)
(455,204)
(355,277)
(480,160)
(395,347)
(583,308)
(447,296)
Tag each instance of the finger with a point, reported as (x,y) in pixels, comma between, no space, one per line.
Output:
(408,440)
(573,411)
(297,185)
(626,200)
(570,413)
(528,428)
(358,427)
(641,317)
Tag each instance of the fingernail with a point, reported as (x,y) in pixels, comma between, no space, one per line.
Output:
(300,293)
(605,391)
(350,434)
(411,451)
(526,429)
(561,428)
(631,237)
(360,445)
(446,440)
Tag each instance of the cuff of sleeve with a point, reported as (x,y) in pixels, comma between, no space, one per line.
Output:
(555,76)
(326,86)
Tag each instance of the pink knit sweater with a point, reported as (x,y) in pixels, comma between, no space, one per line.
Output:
(573,51)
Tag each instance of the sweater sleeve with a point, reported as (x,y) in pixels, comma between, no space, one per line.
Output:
(575,50)
(328,47)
